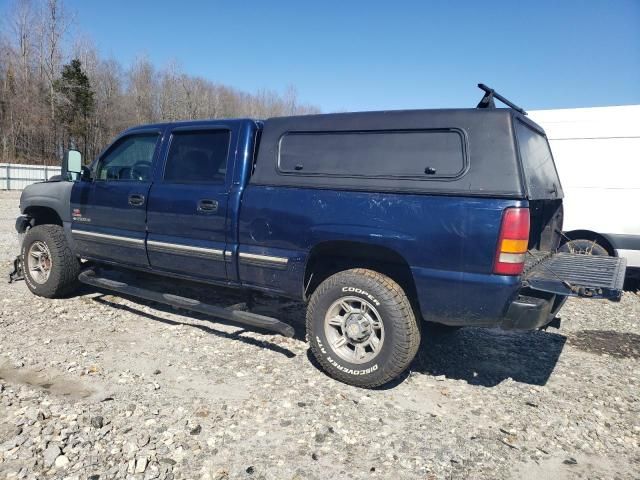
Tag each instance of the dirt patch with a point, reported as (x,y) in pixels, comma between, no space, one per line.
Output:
(51,382)
(617,344)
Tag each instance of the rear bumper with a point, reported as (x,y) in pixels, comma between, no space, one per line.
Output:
(483,300)
(528,313)
(464,299)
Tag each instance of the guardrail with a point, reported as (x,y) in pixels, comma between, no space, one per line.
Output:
(16,176)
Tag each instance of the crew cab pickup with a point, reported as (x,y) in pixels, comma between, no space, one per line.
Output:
(378,220)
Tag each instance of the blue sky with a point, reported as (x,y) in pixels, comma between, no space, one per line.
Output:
(365,55)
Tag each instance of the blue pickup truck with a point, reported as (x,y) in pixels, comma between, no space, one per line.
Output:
(378,220)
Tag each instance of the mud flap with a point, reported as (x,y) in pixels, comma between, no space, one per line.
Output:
(575,275)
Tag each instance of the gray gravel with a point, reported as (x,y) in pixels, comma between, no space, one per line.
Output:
(98,387)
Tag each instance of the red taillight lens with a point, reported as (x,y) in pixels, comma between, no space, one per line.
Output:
(512,242)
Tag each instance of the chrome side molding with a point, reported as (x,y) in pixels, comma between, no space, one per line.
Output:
(107,238)
(263,260)
(180,249)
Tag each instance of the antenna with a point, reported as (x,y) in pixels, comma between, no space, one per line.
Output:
(488,99)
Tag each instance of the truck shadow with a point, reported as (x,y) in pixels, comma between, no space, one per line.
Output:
(486,357)
(238,335)
(479,356)
(288,312)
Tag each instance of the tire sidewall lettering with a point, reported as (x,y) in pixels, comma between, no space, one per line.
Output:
(362,292)
(352,371)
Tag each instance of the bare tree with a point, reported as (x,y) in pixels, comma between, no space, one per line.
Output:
(143,86)
(32,58)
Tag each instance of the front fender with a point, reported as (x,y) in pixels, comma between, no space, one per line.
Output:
(53,195)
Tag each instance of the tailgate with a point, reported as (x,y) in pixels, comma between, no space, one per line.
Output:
(574,274)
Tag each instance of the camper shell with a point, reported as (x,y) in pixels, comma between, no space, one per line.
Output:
(470,152)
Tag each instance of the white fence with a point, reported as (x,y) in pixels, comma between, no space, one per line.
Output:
(14,176)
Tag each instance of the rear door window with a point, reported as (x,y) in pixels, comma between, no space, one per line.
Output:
(197,156)
(414,153)
(540,172)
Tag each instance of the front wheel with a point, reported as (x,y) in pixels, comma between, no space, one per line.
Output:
(362,328)
(50,267)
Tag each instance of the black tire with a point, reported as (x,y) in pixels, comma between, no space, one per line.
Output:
(64,265)
(401,330)
(585,247)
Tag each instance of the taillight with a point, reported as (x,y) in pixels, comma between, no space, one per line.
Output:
(512,242)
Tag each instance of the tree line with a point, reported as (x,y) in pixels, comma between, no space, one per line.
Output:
(57,92)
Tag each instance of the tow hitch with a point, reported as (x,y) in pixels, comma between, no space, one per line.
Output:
(555,323)
(18,270)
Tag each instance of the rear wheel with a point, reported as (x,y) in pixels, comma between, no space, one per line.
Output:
(584,247)
(362,328)
(50,267)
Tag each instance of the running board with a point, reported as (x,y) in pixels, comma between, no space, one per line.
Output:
(238,316)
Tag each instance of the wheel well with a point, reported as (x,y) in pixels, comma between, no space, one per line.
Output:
(328,258)
(43,215)
(589,235)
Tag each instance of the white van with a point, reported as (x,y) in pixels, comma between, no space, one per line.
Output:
(597,153)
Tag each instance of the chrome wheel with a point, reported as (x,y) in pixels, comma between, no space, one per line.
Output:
(39,262)
(354,329)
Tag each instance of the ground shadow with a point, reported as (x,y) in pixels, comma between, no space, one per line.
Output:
(238,335)
(288,312)
(478,356)
(482,356)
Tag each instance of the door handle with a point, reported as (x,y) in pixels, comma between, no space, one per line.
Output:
(135,199)
(207,206)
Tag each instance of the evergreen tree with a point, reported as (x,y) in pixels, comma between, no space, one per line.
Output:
(74,101)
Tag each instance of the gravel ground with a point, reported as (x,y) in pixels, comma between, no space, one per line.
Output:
(97,387)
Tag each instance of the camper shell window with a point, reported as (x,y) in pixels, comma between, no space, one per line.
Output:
(408,154)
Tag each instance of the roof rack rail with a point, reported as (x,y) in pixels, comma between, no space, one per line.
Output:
(488,102)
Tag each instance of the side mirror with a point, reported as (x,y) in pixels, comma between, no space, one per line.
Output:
(73,162)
